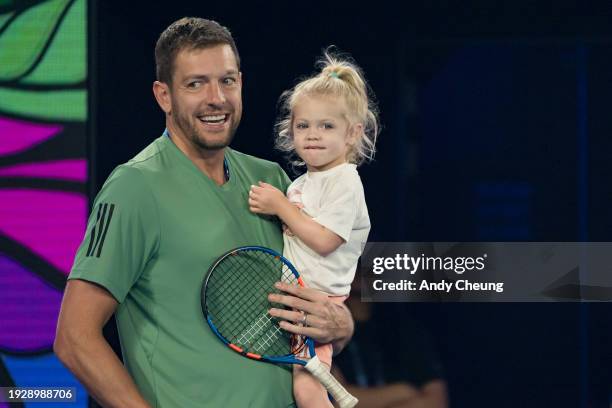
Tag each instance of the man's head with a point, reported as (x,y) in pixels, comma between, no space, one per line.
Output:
(199,84)
(188,33)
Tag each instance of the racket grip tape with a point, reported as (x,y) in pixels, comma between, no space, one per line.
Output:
(338,392)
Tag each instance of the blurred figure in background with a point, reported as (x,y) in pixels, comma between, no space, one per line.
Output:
(391,362)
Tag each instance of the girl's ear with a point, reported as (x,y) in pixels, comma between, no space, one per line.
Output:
(355,132)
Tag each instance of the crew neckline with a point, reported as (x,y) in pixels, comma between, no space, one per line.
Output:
(324,173)
(167,140)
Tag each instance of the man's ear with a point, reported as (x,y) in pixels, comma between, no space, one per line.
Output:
(161,90)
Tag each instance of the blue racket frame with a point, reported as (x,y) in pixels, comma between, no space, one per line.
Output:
(283,359)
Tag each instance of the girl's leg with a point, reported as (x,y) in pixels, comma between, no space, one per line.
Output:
(308,391)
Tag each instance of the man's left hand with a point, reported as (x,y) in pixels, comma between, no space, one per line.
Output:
(327,322)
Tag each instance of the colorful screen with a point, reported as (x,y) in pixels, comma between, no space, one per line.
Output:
(43,180)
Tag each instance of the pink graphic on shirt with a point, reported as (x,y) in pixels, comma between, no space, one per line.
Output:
(295,197)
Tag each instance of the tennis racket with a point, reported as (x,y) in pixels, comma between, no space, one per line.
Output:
(235,305)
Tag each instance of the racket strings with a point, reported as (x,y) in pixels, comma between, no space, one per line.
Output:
(237,304)
(224,287)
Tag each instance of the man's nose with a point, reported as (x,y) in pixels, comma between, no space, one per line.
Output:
(214,94)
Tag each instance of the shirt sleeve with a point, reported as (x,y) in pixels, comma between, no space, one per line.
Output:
(338,209)
(122,234)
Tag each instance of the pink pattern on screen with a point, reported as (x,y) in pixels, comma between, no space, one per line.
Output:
(50,223)
(71,169)
(17,135)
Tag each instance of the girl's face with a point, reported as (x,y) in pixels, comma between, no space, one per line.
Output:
(322,135)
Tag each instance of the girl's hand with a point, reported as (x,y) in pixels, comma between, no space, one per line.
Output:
(265,199)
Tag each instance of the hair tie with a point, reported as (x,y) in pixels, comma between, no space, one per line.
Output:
(333,75)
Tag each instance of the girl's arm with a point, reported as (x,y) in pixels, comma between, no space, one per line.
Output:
(267,199)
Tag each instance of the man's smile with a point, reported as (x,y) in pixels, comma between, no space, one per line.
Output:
(214,119)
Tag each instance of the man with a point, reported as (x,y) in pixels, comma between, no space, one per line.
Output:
(158,222)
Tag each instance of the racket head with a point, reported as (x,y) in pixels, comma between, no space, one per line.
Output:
(235,303)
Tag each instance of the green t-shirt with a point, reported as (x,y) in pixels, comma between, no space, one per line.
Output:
(157,225)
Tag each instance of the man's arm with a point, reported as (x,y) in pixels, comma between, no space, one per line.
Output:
(328,322)
(81,347)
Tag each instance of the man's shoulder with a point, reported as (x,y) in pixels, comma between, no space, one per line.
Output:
(147,157)
(251,161)
(136,174)
(146,165)
(252,169)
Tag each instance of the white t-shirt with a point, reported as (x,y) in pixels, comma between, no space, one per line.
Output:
(334,198)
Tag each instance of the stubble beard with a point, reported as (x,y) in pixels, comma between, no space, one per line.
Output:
(197,138)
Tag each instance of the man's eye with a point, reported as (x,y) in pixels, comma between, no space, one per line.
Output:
(194,84)
(229,81)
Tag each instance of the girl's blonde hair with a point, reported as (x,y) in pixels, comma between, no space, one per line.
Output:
(339,77)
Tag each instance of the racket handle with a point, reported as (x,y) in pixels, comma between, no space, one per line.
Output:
(321,373)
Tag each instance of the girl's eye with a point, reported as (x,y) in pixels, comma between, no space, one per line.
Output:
(328,126)
(301,126)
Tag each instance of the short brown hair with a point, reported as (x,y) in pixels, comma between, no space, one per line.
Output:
(188,33)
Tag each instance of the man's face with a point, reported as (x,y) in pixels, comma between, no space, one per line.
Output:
(206,96)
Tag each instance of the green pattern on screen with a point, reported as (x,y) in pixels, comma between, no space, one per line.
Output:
(45,53)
